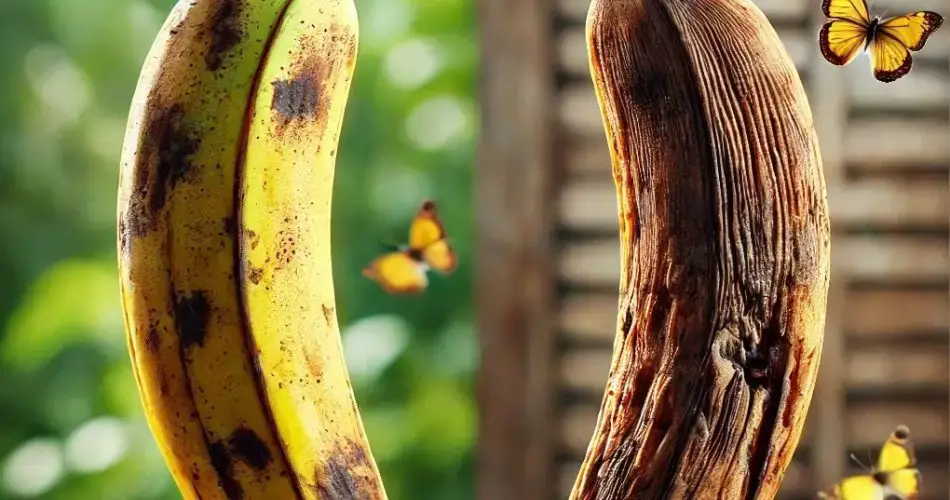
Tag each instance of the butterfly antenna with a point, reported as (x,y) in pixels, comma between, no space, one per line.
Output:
(855,460)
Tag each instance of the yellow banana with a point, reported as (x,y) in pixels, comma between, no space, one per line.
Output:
(210,385)
(284,219)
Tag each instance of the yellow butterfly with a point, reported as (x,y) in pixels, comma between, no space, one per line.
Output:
(404,271)
(889,42)
(895,476)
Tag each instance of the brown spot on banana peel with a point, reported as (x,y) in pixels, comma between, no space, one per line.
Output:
(254,274)
(164,160)
(223,465)
(296,98)
(299,98)
(253,239)
(286,248)
(340,478)
(226,32)
(327,314)
(191,317)
(314,366)
(734,225)
(245,445)
(152,340)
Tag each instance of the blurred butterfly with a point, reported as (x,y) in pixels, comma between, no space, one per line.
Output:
(850,31)
(895,476)
(403,271)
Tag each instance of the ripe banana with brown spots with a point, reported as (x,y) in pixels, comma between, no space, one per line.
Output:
(224,256)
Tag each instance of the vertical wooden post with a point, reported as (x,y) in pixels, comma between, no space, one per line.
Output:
(514,285)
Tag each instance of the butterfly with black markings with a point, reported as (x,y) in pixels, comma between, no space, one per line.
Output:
(403,271)
(895,477)
(850,30)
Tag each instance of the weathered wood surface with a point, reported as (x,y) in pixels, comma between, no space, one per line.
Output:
(725,245)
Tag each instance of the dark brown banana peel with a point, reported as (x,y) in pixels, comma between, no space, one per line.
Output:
(725,246)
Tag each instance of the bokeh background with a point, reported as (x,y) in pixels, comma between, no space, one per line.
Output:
(71,425)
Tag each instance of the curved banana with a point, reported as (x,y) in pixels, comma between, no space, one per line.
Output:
(284,219)
(196,362)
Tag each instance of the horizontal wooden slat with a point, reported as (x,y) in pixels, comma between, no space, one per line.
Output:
(882,313)
(919,90)
(775,10)
(576,428)
(584,370)
(869,423)
(891,367)
(589,157)
(864,427)
(596,262)
(587,317)
(878,144)
(868,313)
(886,203)
(591,204)
(573,59)
(580,113)
(882,143)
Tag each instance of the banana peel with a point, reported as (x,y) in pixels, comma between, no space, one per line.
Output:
(223,242)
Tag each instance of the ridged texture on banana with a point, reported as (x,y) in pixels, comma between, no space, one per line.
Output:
(195,359)
(725,244)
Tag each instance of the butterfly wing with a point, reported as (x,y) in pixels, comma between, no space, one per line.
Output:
(440,256)
(912,30)
(397,273)
(890,59)
(841,41)
(427,236)
(862,487)
(897,453)
(855,11)
(904,483)
(426,227)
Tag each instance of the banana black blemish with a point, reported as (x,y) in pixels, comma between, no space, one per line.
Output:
(337,481)
(191,317)
(165,160)
(247,446)
(226,33)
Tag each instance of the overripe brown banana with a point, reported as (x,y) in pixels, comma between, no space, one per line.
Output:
(224,231)
(725,244)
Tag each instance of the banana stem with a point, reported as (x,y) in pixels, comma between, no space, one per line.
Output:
(725,243)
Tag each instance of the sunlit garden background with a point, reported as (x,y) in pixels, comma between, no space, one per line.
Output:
(71,426)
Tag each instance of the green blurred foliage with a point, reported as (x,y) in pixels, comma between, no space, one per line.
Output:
(72,426)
